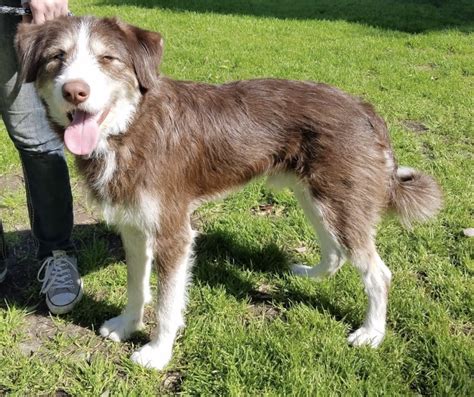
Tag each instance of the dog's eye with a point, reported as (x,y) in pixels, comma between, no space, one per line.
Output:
(108,58)
(60,56)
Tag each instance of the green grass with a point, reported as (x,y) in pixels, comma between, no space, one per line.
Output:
(252,329)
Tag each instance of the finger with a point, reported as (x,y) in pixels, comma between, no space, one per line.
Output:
(38,17)
(57,12)
(61,10)
(64,8)
(37,13)
(49,13)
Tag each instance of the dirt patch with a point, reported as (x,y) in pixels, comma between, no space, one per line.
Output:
(261,303)
(428,150)
(84,214)
(263,293)
(172,381)
(268,312)
(41,329)
(11,182)
(462,328)
(61,393)
(415,126)
(422,276)
(269,209)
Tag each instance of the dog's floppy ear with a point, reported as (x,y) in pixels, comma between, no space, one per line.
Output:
(146,48)
(29,45)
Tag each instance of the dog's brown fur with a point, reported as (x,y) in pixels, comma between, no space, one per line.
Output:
(189,142)
(223,136)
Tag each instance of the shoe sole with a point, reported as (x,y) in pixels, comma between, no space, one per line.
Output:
(66,308)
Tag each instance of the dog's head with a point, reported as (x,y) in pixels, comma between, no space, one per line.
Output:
(90,72)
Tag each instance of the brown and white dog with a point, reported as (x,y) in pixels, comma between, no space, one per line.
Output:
(152,149)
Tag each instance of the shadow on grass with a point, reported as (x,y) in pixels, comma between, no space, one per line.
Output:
(219,262)
(413,16)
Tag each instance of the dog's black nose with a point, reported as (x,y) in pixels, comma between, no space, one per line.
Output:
(76,91)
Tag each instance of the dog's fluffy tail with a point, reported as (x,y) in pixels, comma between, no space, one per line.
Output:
(414,196)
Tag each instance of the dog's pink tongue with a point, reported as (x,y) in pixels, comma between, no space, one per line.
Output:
(82,134)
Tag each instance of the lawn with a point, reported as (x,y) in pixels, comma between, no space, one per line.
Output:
(252,328)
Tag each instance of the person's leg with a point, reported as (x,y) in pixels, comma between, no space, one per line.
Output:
(4,255)
(41,152)
(44,166)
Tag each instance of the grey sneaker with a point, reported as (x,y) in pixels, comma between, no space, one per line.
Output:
(62,283)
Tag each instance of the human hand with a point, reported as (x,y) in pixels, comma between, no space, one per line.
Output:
(44,10)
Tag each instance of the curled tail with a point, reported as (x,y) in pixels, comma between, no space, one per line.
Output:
(414,196)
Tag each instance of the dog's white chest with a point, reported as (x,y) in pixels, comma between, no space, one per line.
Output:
(144,216)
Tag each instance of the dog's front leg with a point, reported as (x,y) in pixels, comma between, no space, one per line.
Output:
(173,261)
(139,255)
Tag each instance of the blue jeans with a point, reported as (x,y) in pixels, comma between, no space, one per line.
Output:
(41,151)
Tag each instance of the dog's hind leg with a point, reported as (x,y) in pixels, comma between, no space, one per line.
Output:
(356,229)
(332,253)
(376,278)
(173,261)
(139,256)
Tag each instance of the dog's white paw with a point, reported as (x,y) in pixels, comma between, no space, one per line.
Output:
(120,328)
(366,336)
(301,270)
(152,357)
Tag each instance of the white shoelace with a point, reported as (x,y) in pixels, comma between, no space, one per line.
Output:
(56,274)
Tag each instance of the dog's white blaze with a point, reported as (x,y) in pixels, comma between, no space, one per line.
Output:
(84,66)
(105,92)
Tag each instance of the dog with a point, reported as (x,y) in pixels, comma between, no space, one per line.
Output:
(153,149)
